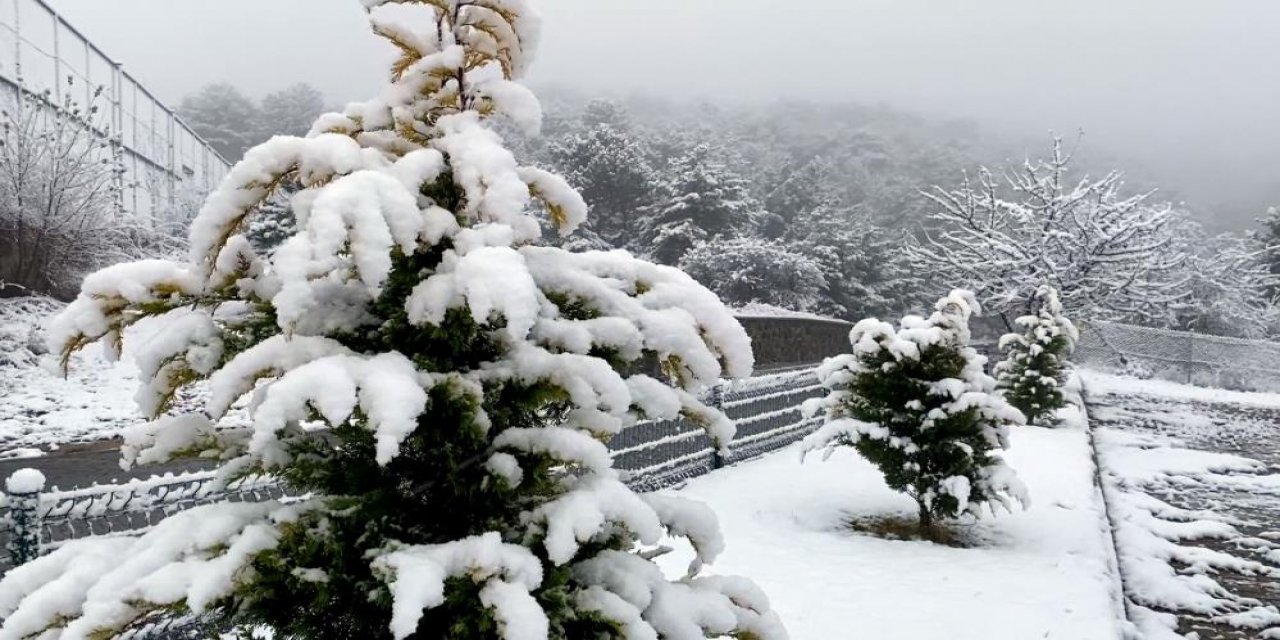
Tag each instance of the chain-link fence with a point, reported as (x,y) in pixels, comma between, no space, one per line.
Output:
(652,455)
(1179,356)
(166,164)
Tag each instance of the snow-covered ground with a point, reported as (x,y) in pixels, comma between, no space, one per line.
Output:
(1042,573)
(40,408)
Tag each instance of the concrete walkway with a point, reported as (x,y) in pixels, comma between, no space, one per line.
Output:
(1238,429)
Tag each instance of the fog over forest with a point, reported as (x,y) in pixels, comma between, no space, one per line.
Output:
(1178,93)
(639,320)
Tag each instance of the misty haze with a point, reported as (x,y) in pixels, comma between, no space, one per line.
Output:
(664,319)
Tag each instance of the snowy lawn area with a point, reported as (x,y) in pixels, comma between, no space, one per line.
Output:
(40,408)
(1042,573)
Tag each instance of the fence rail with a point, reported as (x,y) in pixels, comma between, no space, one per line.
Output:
(652,455)
(1180,356)
(165,161)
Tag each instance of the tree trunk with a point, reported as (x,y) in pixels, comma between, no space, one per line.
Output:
(926,522)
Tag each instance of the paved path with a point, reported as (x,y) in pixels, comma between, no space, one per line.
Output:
(1247,431)
(81,465)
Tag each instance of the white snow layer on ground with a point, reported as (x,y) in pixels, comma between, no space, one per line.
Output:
(1122,385)
(41,409)
(1161,572)
(1041,573)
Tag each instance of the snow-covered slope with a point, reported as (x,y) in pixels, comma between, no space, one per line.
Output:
(1042,573)
(40,408)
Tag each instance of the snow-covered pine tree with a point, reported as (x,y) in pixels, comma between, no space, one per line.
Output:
(746,270)
(916,403)
(437,387)
(1035,365)
(273,221)
(866,272)
(224,117)
(611,170)
(707,201)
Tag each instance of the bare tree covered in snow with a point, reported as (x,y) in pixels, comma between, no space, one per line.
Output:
(1231,287)
(469,379)
(1108,255)
(60,181)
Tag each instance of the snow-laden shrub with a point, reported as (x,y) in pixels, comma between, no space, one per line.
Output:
(915,402)
(466,380)
(1035,365)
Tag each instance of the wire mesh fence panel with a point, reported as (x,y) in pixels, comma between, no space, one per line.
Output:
(652,455)
(766,411)
(167,166)
(1179,356)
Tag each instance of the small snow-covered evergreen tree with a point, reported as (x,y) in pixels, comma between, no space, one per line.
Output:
(1035,365)
(915,402)
(435,385)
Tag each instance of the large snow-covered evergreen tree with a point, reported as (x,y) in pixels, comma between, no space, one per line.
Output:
(866,273)
(707,201)
(750,270)
(226,118)
(915,402)
(289,111)
(1035,365)
(435,385)
(611,169)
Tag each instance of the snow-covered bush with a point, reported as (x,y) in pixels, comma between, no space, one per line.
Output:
(436,385)
(1035,365)
(915,402)
(748,270)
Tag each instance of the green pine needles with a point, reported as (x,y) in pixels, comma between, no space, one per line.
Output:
(434,385)
(915,402)
(1035,366)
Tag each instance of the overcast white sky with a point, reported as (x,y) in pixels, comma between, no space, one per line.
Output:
(1190,89)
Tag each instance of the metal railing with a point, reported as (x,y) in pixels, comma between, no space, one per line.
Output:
(165,161)
(1180,356)
(652,455)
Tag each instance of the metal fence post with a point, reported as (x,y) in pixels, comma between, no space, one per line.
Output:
(717,401)
(24,488)
(1191,353)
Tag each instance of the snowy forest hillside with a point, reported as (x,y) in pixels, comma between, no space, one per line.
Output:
(853,211)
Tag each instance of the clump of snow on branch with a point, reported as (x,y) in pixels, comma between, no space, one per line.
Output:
(412,216)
